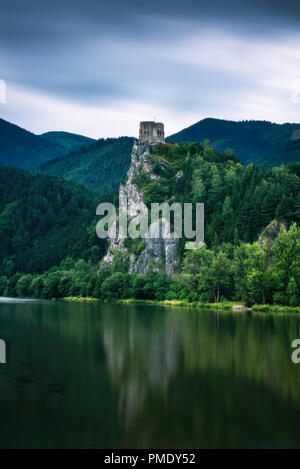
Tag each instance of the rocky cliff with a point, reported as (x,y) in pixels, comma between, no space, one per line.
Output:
(151,253)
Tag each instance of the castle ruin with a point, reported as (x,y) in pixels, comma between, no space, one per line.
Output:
(152,132)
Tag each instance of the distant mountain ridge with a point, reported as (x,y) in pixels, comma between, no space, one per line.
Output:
(20,148)
(102,165)
(68,140)
(258,142)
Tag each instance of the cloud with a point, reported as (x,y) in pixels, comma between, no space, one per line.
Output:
(43,113)
(98,69)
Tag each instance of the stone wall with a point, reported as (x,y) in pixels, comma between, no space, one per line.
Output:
(152,132)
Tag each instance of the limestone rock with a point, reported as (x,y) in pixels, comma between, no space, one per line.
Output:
(160,253)
(268,236)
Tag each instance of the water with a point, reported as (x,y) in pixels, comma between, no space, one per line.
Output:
(114,376)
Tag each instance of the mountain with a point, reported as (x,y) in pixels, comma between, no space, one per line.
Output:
(68,140)
(239,201)
(49,247)
(22,149)
(102,165)
(259,142)
(43,220)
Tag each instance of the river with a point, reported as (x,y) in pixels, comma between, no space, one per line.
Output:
(96,375)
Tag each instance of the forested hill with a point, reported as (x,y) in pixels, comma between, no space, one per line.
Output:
(43,220)
(102,165)
(258,142)
(49,248)
(68,140)
(22,149)
(239,201)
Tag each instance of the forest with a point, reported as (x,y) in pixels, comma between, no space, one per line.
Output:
(22,149)
(100,166)
(260,142)
(252,237)
(43,220)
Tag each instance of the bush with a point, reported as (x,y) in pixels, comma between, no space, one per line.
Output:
(116,286)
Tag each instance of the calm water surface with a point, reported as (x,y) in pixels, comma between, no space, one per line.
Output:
(114,376)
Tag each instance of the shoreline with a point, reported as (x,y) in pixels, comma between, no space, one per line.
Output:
(228,306)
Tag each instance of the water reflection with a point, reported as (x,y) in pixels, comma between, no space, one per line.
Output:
(91,375)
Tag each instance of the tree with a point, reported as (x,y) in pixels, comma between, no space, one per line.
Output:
(51,284)
(3,284)
(293,292)
(211,271)
(115,286)
(258,274)
(286,271)
(36,286)
(23,286)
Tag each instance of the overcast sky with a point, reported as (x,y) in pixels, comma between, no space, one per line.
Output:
(98,69)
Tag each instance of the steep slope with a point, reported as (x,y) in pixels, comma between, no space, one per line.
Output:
(239,201)
(156,253)
(258,142)
(287,152)
(101,165)
(68,140)
(22,149)
(43,220)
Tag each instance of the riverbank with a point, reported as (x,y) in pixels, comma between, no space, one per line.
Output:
(226,306)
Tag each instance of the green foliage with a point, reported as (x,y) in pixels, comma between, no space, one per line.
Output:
(239,201)
(23,149)
(287,267)
(43,220)
(245,273)
(49,248)
(252,274)
(259,142)
(211,272)
(116,286)
(68,140)
(101,166)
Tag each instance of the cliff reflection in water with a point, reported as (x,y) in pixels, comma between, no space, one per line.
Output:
(217,371)
(92,375)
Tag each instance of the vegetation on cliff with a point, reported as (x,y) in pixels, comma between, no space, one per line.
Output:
(259,142)
(51,251)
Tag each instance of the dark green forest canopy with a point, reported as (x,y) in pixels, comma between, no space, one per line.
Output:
(259,142)
(100,166)
(22,149)
(68,140)
(49,247)
(239,201)
(43,220)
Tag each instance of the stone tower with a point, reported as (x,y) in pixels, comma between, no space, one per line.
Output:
(152,132)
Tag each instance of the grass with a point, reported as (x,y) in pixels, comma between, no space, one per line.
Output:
(224,306)
(275,309)
(81,299)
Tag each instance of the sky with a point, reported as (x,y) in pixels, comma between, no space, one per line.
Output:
(98,69)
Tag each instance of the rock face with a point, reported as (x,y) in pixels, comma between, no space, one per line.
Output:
(160,253)
(295,135)
(268,236)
